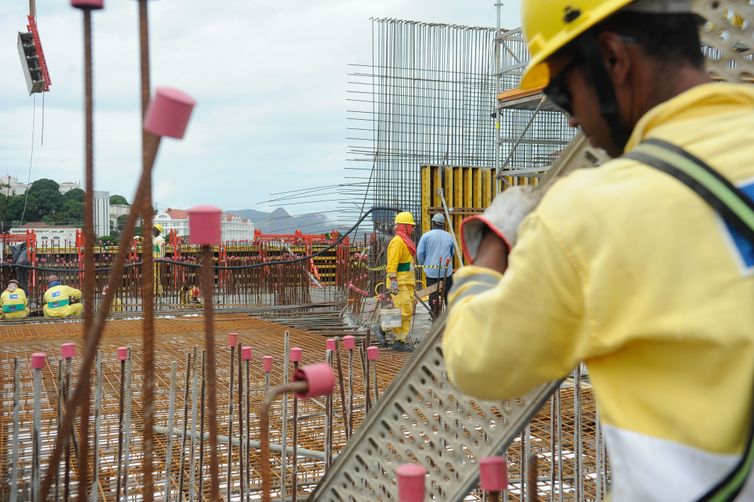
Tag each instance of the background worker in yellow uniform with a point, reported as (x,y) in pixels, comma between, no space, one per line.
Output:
(58,298)
(158,251)
(14,303)
(623,267)
(401,281)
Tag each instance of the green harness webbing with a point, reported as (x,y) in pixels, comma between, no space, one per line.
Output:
(738,211)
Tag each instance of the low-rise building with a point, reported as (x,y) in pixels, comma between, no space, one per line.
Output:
(234,228)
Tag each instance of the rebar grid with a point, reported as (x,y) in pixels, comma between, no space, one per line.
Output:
(174,337)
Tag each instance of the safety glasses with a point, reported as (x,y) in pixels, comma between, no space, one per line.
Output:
(557,90)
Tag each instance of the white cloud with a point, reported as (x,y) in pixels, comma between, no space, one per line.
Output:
(269,78)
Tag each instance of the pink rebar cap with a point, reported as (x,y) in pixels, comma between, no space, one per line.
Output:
(122,353)
(267,363)
(38,360)
(246,353)
(205,225)
(88,4)
(373,353)
(232,339)
(411,482)
(169,112)
(493,474)
(68,350)
(296,353)
(330,344)
(349,342)
(320,377)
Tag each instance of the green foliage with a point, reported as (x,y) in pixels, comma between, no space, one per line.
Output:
(43,203)
(75,194)
(118,199)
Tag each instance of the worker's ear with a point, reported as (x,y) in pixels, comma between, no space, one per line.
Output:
(616,55)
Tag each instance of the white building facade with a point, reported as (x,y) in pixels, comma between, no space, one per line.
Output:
(101,213)
(15,187)
(234,228)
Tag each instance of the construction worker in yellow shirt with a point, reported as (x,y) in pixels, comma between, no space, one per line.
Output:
(624,267)
(158,251)
(401,280)
(58,298)
(13,301)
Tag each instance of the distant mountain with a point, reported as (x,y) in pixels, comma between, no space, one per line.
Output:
(280,222)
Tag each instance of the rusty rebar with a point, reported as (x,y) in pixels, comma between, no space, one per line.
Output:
(201,426)
(342,387)
(240,423)
(294,444)
(531,481)
(208,287)
(120,427)
(147,259)
(89,272)
(229,487)
(95,332)
(264,432)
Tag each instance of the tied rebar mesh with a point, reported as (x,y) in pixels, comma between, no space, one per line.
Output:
(427,97)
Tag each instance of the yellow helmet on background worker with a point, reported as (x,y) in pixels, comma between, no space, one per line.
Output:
(404,218)
(550,26)
(157,227)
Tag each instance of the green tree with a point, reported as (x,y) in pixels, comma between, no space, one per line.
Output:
(43,184)
(118,199)
(75,194)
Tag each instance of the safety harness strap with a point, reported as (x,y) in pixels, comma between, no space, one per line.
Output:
(58,304)
(738,211)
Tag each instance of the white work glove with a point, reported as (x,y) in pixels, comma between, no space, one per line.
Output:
(393,287)
(503,217)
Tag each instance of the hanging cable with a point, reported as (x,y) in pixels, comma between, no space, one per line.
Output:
(31,158)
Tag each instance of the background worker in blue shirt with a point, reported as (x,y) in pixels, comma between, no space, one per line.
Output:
(435,252)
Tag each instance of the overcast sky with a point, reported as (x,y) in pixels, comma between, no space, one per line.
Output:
(269,77)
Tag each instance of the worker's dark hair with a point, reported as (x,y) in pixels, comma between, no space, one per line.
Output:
(670,39)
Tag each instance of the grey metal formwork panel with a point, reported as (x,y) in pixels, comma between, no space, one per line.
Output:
(423,418)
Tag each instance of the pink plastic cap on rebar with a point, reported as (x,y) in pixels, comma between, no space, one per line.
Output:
(411,482)
(88,4)
(205,225)
(373,353)
(331,344)
(349,342)
(68,350)
(232,339)
(246,353)
(122,353)
(320,377)
(169,112)
(38,360)
(296,353)
(493,474)
(267,363)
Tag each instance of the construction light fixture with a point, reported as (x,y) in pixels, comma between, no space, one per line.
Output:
(33,60)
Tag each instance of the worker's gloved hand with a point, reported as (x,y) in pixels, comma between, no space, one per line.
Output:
(393,287)
(502,218)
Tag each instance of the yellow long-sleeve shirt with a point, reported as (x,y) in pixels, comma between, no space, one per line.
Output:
(14,304)
(627,269)
(400,262)
(58,304)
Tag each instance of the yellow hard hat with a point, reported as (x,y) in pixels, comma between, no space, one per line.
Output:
(404,218)
(550,26)
(158,227)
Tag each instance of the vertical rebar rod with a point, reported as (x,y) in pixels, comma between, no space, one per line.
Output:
(61,403)
(94,495)
(579,468)
(89,271)
(294,445)
(67,442)
(284,427)
(328,419)
(121,400)
(559,407)
(598,456)
(374,379)
(240,426)
(525,450)
(201,426)
(248,430)
(127,424)
(171,418)
(181,469)
(14,438)
(208,287)
(349,426)
(531,481)
(231,369)
(194,420)
(552,448)
(36,433)
(341,386)
(147,258)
